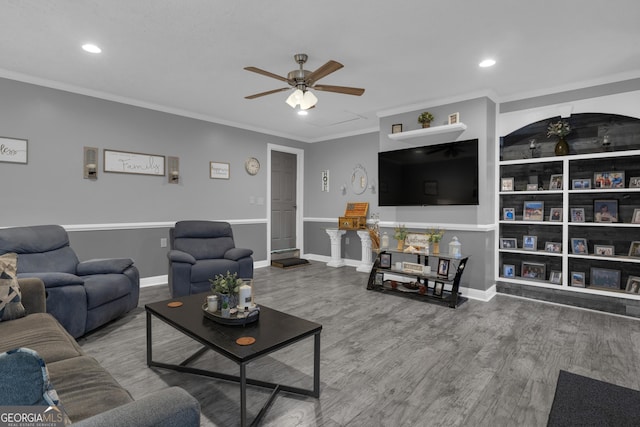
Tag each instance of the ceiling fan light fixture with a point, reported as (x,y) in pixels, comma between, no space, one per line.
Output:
(308,100)
(295,98)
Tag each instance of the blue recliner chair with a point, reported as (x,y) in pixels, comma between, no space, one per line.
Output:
(200,250)
(81,295)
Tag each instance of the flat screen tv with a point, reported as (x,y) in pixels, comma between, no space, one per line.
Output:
(443,174)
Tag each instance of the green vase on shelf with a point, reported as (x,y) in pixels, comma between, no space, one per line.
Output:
(562,147)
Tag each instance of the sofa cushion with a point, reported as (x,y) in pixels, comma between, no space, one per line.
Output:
(206,269)
(85,387)
(10,298)
(42,333)
(104,288)
(52,279)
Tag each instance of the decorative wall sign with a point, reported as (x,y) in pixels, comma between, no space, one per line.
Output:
(135,163)
(13,150)
(325,181)
(418,240)
(219,170)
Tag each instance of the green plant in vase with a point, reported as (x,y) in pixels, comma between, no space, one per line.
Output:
(226,286)
(560,129)
(435,236)
(400,233)
(425,119)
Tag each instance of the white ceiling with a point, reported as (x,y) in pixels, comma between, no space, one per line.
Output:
(187,56)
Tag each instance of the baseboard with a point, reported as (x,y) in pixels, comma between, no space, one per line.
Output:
(479,295)
(154,281)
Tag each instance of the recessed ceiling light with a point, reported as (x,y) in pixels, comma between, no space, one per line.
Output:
(302,112)
(487,63)
(91,48)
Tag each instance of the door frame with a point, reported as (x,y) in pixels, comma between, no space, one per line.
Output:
(299,195)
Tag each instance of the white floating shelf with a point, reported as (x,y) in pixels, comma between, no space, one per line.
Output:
(436,130)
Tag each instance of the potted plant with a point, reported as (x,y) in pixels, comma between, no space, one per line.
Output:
(226,287)
(226,311)
(400,233)
(435,235)
(560,129)
(425,118)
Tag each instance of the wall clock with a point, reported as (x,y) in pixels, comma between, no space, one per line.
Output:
(252,165)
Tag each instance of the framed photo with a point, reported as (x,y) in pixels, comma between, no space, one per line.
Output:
(634,182)
(443,267)
(579,246)
(134,163)
(635,219)
(555,276)
(219,170)
(555,183)
(532,187)
(533,211)
(581,184)
(603,250)
(533,270)
(577,279)
(608,180)
(605,211)
(506,184)
(397,128)
(555,214)
(605,278)
(437,289)
(379,278)
(633,285)
(554,247)
(454,118)
(385,260)
(530,243)
(509,214)
(577,214)
(508,270)
(508,243)
(13,150)
(634,249)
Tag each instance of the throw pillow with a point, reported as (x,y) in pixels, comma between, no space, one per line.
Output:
(10,297)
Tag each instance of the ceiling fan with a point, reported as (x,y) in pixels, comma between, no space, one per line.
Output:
(303,80)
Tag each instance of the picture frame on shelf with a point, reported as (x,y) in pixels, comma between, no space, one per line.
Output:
(555,277)
(533,270)
(577,215)
(379,279)
(506,184)
(633,285)
(454,118)
(555,214)
(581,184)
(634,182)
(604,250)
(605,210)
(530,243)
(553,247)
(508,243)
(508,214)
(385,260)
(578,279)
(508,270)
(609,179)
(579,246)
(438,287)
(555,183)
(604,278)
(635,218)
(443,267)
(634,249)
(532,187)
(396,128)
(533,210)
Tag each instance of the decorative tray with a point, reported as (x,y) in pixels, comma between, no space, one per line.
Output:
(233,319)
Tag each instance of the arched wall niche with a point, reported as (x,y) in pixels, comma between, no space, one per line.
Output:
(590,133)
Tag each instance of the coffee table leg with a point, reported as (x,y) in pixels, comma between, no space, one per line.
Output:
(243,395)
(149,355)
(316,365)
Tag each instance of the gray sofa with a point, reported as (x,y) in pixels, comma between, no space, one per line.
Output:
(87,392)
(81,295)
(200,250)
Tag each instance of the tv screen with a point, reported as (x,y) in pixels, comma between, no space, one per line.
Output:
(443,174)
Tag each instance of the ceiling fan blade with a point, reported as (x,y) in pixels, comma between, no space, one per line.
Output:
(266,73)
(323,71)
(340,89)
(257,95)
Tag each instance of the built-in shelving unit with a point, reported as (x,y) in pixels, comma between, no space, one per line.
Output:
(435,130)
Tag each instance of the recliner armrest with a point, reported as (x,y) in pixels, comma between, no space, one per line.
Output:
(235,254)
(34,296)
(103,266)
(175,255)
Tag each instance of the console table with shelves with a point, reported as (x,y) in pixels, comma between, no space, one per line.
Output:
(430,286)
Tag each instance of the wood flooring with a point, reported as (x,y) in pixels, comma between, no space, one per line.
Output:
(387,360)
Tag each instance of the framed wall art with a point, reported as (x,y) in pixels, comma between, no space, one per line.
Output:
(133,163)
(219,170)
(13,150)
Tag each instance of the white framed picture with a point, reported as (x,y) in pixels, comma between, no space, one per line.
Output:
(219,170)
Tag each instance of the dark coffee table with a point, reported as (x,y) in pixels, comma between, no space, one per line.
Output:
(273,331)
